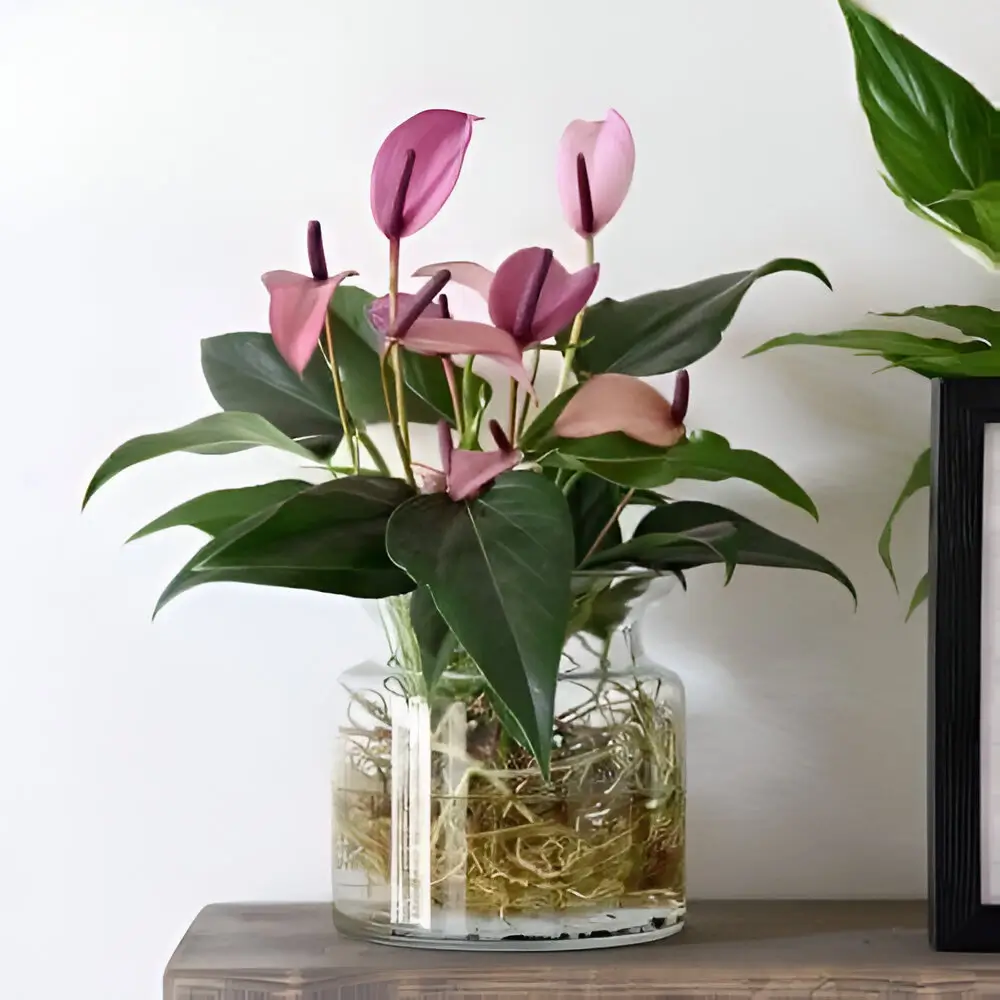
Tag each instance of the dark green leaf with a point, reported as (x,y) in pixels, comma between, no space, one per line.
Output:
(215,512)
(668,330)
(919,596)
(436,642)
(703,456)
(980,364)
(498,568)
(973,321)
(357,345)
(885,343)
(218,434)
(709,542)
(537,437)
(750,544)
(245,373)
(934,132)
(592,503)
(919,479)
(329,538)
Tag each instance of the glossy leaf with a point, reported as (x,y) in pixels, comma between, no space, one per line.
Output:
(435,640)
(592,503)
(696,545)
(886,343)
(919,479)
(703,456)
(220,510)
(749,544)
(245,373)
(973,321)
(920,594)
(985,203)
(328,538)
(668,330)
(538,436)
(935,133)
(218,434)
(498,568)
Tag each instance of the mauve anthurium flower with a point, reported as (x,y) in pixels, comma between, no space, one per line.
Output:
(611,403)
(416,169)
(596,161)
(532,296)
(467,473)
(299,303)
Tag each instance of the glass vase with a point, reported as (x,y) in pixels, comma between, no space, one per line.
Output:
(447,835)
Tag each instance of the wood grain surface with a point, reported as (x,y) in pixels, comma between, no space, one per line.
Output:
(729,950)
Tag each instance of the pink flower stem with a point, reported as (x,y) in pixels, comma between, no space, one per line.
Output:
(523,419)
(449,374)
(574,335)
(400,428)
(512,411)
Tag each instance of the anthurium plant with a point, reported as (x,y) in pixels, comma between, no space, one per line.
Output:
(512,540)
(939,141)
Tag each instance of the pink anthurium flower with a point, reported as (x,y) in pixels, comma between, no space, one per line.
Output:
(416,169)
(378,311)
(532,296)
(595,167)
(299,303)
(466,473)
(611,403)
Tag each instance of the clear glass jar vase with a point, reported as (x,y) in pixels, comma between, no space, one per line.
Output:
(447,835)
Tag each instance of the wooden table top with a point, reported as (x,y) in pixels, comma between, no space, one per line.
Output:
(732,950)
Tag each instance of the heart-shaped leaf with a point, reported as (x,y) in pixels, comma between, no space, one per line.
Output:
(220,510)
(218,434)
(919,479)
(499,568)
(668,330)
(246,374)
(328,538)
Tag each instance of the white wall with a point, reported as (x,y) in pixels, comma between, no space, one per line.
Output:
(156,157)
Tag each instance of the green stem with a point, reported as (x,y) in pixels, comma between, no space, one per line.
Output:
(338,390)
(387,397)
(512,411)
(468,405)
(376,455)
(574,336)
(404,428)
(523,419)
(568,485)
(456,405)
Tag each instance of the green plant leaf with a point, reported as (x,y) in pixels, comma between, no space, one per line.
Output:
(978,364)
(668,330)
(218,434)
(934,132)
(703,456)
(436,642)
(885,343)
(357,345)
(973,321)
(919,479)
(592,503)
(246,374)
(499,568)
(985,202)
(215,512)
(329,538)
(749,544)
(664,550)
(538,437)
(919,595)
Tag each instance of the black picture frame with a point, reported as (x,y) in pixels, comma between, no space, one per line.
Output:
(959,918)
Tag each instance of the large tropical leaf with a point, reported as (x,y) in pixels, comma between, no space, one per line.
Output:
(748,544)
(246,374)
(703,455)
(885,343)
(919,479)
(974,321)
(668,330)
(329,538)
(357,345)
(220,510)
(935,133)
(218,434)
(592,505)
(499,568)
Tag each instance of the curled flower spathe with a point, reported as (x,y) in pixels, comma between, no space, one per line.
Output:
(416,169)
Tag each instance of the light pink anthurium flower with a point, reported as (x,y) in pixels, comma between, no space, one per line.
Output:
(467,473)
(611,403)
(299,303)
(595,167)
(416,169)
(532,296)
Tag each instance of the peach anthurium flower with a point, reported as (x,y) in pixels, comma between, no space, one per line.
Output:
(595,166)
(299,303)
(467,473)
(416,169)
(532,296)
(611,403)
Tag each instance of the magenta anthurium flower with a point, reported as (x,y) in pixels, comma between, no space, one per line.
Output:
(611,403)
(416,169)
(378,310)
(532,296)
(466,473)
(299,303)
(595,167)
